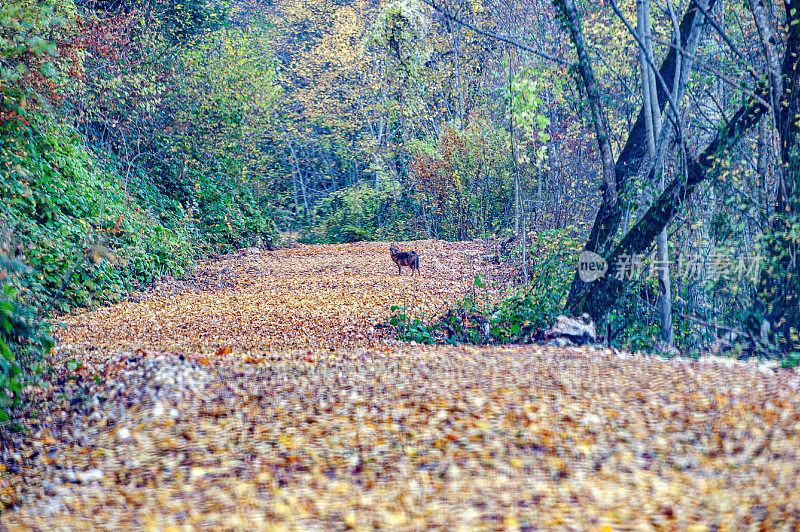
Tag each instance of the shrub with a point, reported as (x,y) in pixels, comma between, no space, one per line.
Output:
(24,340)
(86,240)
(517,316)
(359,212)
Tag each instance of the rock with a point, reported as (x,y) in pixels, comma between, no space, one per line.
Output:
(669,350)
(769,367)
(685,462)
(52,506)
(719,346)
(452,472)
(49,489)
(123,433)
(158,409)
(578,330)
(84,477)
(174,413)
(559,342)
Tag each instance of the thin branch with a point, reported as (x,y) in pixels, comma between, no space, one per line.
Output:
(728,41)
(617,74)
(716,72)
(649,58)
(502,38)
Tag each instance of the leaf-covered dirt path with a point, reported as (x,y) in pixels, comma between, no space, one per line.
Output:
(308,296)
(263,395)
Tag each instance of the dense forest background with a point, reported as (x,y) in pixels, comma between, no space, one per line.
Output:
(660,136)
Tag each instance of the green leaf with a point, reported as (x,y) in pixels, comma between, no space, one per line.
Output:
(6,352)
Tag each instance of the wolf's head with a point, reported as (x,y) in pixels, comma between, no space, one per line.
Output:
(393,249)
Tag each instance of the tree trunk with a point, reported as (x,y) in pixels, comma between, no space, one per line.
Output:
(603,294)
(609,208)
(779,289)
(514,156)
(762,174)
(607,222)
(653,112)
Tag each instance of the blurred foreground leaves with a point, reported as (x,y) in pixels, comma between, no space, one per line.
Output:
(237,412)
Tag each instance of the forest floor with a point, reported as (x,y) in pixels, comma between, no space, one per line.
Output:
(265,392)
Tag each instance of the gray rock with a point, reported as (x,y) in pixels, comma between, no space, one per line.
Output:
(559,342)
(84,477)
(719,346)
(49,489)
(578,330)
(123,433)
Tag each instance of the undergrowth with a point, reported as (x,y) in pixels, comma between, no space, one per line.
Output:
(514,318)
(75,233)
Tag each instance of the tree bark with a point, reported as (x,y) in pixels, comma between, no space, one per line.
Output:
(654,130)
(604,293)
(513,138)
(779,290)
(608,220)
(609,208)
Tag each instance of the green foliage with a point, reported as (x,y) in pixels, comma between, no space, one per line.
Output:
(520,314)
(230,215)
(780,289)
(360,213)
(526,310)
(791,360)
(93,224)
(175,108)
(185,18)
(29,34)
(528,108)
(24,340)
(409,329)
(84,237)
(465,322)
(401,30)
(633,323)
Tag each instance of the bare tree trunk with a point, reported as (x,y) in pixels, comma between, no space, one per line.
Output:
(457,64)
(524,245)
(653,112)
(762,174)
(299,178)
(514,157)
(609,208)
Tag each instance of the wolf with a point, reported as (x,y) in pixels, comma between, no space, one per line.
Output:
(404,258)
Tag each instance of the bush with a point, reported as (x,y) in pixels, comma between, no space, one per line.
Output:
(360,213)
(516,317)
(552,256)
(409,329)
(24,340)
(86,240)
